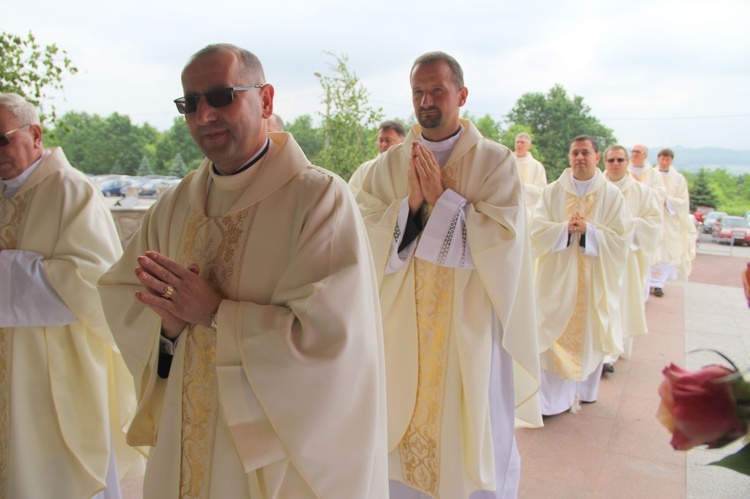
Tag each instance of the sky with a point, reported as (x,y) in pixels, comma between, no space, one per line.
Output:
(659,72)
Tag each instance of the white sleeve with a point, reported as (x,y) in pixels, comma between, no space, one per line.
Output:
(27,299)
(670,208)
(396,260)
(592,240)
(562,241)
(443,240)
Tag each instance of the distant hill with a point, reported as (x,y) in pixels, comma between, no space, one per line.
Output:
(735,162)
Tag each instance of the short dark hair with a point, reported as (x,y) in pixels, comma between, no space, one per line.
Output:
(250,64)
(615,148)
(582,138)
(433,57)
(666,152)
(393,125)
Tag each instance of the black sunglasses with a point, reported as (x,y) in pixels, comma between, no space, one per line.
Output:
(5,139)
(215,98)
(619,160)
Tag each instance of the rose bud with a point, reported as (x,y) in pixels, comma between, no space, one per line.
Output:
(698,409)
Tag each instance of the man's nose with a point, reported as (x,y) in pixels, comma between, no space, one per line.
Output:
(204,113)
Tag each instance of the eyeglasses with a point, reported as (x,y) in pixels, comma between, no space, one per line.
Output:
(636,151)
(5,139)
(619,160)
(215,98)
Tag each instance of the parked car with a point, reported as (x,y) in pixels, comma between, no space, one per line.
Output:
(727,228)
(709,219)
(701,211)
(115,187)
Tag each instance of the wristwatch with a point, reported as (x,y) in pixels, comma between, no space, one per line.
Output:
(214,324)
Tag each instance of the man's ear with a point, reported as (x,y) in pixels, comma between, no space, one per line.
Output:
(266,95)
(462,95)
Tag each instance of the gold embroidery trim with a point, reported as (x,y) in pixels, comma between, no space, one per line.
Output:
(218,246)
(568,350)
(419,449)
(13,213)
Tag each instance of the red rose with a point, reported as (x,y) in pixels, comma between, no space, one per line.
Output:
(698,409)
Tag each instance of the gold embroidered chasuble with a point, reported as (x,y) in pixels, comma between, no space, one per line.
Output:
(676,241)
(647,224)
(299,338)
(652,178)
(577,295)
(438,321)
(65,394)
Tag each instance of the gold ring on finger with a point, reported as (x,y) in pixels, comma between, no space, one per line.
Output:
(169,292)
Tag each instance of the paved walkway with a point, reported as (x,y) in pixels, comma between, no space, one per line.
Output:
(615,448)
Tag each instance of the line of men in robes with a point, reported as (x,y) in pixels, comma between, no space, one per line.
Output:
(599,239)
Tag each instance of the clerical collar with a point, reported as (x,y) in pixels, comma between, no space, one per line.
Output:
(13,185)
(664,174)
(256,157)
(442,149)
(637,169)
(582,186)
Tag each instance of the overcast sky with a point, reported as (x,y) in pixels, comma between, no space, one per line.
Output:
(660,72)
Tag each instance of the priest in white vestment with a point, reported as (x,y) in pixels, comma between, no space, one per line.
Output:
(251,323)
(580,233)
(647,221)
(445,217)
(390,133)
(677,248)
(66,397)
(532,172)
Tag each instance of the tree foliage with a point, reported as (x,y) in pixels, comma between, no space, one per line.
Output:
(701,194)
(32,71)
(717,188)
(309,138)
(349,123)
(487,126)
(555,119)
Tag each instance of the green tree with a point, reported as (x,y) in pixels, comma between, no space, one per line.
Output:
(310,139)
(701,193)
(102,145)
(486,125)
(555,119)
(31,70)
(349,123)
(178,167)
(176,140)
(145,167)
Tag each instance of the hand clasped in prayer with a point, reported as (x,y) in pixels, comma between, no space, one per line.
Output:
(179,295)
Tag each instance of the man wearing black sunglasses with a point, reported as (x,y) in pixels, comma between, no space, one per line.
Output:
(251,323)
(65,394)
(647,222)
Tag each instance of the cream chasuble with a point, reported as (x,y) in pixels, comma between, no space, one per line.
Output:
(647,221)
(676,242)
(534,180)
(287,398)
(355,181)
(577,295)
(66,397)
(439,321)
(650,176)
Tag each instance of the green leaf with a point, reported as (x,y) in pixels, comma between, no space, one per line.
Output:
(739,461)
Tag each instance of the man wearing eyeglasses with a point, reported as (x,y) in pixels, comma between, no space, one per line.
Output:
(647,220)
(251,323)
(65,394)
(581,231)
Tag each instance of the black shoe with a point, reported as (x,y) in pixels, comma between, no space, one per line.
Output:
(608,368)
(658,292)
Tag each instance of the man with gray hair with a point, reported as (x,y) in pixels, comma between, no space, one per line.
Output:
(532,172)
(251,322)
(65,395)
